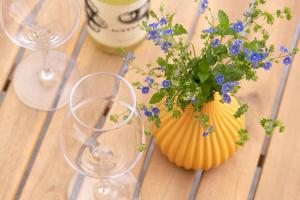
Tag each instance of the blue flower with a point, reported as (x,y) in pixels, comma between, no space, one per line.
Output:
(168,32)
(210,30)
(145,90)
(238,27)
(220,79)
(204,5)
(166,83)
(226,98)
(149,80)
(268,65)
(165,46)
(205,133)
(229,87)
(235,50)
(154,25)
(215,43)
(163,21)
(156,111)
(287,60)
(255,57)
(284,49)
(147,113)
(238,42)
(153,35)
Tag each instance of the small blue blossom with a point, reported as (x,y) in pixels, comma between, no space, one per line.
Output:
(235,50)
(147,113)
(168,32)
(204,5)
(156,111)
(153,35)
(268,65)
(166,83)
(229,87)
(287,60)
(149,80)
(210,30)
(226,98)
(216,43)
(255,57)
(163,21)
(165,46)
(238,42)
(145,90)
(154,25)
(205,134)
(238,27)
(284,49)
(220,79)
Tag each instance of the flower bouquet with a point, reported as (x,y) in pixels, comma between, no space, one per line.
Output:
(204,84)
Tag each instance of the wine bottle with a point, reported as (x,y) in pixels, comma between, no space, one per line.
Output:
(115,24)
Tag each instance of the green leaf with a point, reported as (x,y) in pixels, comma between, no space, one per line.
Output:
(142,148)
(270,125)
(114,118)
(157,97)
(241,111)
(147,132)
(204,120)
(203,77)
(179,30)
(223,18)
(161,62)
(288,13)
(243,137)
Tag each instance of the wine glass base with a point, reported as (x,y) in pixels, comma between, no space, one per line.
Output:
(86,188)
(43,94)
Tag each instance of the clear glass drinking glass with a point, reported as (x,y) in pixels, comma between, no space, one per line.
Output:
(40,25)
(102,137)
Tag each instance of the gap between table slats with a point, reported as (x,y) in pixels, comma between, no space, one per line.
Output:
(274,114)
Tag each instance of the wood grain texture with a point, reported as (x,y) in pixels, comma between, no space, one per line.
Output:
(280,179)
(9,52)
(20,128)
(233,179)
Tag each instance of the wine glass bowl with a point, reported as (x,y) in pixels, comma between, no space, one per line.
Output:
(38,24)
(106,153)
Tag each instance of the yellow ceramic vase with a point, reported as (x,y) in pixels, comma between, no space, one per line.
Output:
(181,140)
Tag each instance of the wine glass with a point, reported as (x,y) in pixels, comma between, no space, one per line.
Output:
(40,25)
(102,137)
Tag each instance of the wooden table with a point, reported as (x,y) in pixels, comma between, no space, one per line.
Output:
(32,166)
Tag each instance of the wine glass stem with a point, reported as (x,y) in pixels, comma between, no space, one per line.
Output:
(47,73)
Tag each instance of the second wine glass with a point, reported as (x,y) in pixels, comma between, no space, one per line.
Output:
(103,137)
(40,25)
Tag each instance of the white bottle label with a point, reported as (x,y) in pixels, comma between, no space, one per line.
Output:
(116,25)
